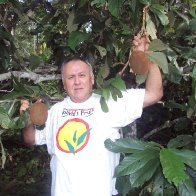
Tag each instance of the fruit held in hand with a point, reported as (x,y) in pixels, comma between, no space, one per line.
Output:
(139,62)
(38,113)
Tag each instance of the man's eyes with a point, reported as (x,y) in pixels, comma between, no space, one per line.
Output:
(80,75)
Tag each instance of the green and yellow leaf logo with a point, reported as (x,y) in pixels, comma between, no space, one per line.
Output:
(73,136)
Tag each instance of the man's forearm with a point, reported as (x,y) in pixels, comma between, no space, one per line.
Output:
(28,134)
(154,87)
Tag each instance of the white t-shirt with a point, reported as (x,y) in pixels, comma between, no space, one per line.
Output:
(75,133)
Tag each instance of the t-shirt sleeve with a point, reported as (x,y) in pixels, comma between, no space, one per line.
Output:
(128,108)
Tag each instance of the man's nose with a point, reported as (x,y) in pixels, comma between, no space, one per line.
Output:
(77,80)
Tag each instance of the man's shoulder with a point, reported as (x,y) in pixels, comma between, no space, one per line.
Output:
(58,104)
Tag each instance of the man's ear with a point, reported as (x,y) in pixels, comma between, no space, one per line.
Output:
(93,79)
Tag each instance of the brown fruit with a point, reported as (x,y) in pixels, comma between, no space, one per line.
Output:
(38,113)
(139,62)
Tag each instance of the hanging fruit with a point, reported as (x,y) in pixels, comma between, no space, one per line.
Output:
(138,60)
(38,113)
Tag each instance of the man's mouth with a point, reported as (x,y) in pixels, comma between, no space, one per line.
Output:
(78,89)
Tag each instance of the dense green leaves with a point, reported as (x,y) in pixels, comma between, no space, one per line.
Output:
(34,61)
(8,121)
(21,91)
(5,120)
(77,38)
(114,7)
(103,32)
(111,88)
(144,161)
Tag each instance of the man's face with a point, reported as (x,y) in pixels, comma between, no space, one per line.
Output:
(78,80)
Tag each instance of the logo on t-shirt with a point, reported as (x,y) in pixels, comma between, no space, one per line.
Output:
(73,136)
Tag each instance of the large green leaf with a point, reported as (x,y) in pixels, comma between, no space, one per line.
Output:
(157,45)
(76,38)
(104,71)
(106,93)
(174,74)
(71,26)
(160,59)
(187,156)
(136,161)
(150,27)
(104,105)
(161,187)
(114,7)
(180,141)
(144,174)
(173,167)
(116,93)
(118,83)
(158,10)
(186,188)
(9,122)
(4,119)
(123,185)
(125,145)
(21,121)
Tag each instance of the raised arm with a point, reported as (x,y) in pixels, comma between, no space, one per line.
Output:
(154,87)
(28,133)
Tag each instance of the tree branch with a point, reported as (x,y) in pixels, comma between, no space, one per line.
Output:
(167,124)
(36,78)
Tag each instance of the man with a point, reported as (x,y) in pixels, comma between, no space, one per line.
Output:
(77,127)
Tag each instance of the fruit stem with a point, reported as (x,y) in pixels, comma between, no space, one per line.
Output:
(143,28)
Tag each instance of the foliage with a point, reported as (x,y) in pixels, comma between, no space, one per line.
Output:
(35,36)
(149,165)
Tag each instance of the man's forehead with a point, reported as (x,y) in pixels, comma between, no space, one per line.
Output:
(77,66)
(77,63)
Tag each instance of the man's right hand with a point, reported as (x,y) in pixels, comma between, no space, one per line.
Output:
(24,105)
(28,133)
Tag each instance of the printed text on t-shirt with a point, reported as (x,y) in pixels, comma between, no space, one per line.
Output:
(77,112)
